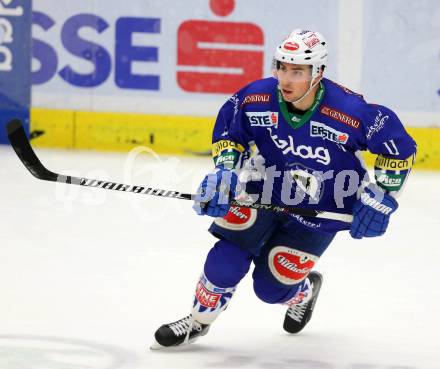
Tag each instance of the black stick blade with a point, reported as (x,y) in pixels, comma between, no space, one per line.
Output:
(23,149)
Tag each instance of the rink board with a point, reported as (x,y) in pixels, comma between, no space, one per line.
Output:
(165,134)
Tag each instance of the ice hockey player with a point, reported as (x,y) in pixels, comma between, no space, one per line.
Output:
(305,133)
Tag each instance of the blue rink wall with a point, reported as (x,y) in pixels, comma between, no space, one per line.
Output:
(15,63)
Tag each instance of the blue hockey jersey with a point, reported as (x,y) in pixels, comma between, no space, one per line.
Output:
(313,159)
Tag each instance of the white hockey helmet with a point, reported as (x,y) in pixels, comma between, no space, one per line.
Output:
(303,47)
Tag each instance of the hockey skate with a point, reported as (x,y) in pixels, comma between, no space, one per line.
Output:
(298,315)
(179,333)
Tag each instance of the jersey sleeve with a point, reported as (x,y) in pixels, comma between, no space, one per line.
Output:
(386,136)
(232,136)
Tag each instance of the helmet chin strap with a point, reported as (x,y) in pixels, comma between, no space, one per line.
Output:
(307,92)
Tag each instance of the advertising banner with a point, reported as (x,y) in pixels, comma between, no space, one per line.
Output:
(157,57)
(15,59)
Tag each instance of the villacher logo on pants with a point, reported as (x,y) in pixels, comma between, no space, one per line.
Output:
(238,218)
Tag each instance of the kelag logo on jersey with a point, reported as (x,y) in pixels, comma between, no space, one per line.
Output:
(320,154)
(263,119)
(327,133)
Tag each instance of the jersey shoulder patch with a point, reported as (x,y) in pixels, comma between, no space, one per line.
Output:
(259,93)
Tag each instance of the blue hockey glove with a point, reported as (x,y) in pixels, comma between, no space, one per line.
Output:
(215,192)
(371,213)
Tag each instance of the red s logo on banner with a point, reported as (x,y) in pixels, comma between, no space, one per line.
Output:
(226,52)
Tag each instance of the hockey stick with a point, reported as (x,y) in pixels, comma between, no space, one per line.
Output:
(26,154)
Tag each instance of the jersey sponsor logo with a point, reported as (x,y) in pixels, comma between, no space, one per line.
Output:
(305,222)
(318,129)
(228,160)
(222,145)
(209,298)
(291,46)
(311,40)
(340,117)
(238,218)
(379,123)
(256,99)
(205,297)
(376,205)
(320,154)
(290,266)
(392,164)
(390,180)
(263,119)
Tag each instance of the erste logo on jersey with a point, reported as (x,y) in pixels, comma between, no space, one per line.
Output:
(263,118)
(290,266)
(318,129)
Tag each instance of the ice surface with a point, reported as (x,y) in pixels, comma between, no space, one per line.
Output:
(87,276)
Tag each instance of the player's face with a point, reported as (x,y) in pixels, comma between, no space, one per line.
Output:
(294,80)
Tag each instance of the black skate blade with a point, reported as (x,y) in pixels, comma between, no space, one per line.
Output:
(156,346)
